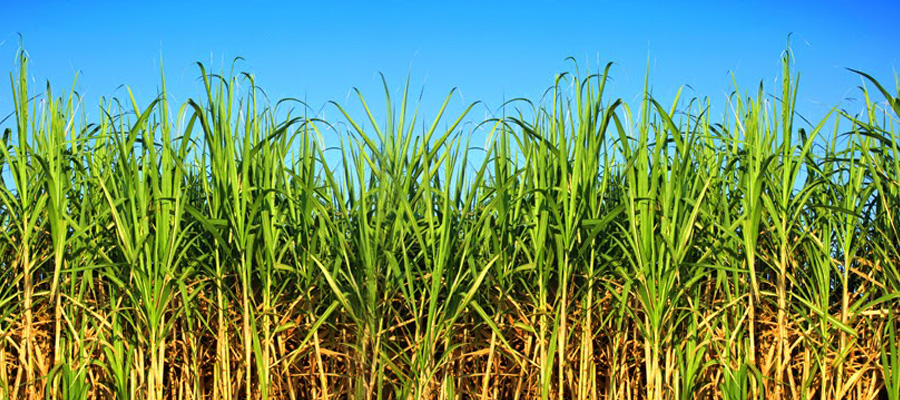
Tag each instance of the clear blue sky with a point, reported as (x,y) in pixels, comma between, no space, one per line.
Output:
(489,50)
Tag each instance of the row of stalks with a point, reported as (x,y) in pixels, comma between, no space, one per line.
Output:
(590,249)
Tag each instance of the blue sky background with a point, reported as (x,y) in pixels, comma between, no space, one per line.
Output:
(491,51)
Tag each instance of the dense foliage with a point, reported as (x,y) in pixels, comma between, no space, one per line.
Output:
(217,250)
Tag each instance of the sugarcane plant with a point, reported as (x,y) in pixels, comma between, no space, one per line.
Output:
(234,246)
